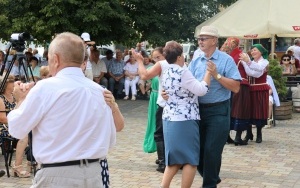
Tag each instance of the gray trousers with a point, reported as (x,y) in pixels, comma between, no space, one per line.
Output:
(85,176)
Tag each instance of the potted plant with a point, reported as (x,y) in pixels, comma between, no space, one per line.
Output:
(285,110)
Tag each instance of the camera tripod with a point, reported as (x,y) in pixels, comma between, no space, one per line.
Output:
(22,61)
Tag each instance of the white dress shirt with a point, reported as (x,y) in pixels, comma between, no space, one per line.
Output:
(68,116)
(297,52)
(88,63)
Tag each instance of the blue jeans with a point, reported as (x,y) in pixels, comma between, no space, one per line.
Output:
(214,130)
(112,83)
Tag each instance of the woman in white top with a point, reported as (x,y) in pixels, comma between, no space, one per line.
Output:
(180,116)
(131,78)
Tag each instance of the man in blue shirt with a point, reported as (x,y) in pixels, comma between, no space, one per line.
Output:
(117,75)
(215,105)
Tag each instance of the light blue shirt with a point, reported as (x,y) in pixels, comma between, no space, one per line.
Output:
(35,71)
(225,67)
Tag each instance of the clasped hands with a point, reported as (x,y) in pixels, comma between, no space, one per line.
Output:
(21,90)
(244,57)
(211,68)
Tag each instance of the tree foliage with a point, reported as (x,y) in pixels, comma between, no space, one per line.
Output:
(126,21)
(275,71)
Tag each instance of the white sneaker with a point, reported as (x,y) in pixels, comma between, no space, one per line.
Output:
(126,98)
(133,98)
(267,126)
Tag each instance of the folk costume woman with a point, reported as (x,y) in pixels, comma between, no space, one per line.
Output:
(240,108)
(259,89)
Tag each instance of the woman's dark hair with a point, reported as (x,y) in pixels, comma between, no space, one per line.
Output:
(158,49)
(285,55)
(171,51)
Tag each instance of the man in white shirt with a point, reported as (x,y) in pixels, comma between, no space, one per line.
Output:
(99,68)
(71,123)
(37,55)
(87,41)
(297,48)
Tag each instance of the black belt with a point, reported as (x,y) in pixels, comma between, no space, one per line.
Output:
(69,163)
(206,105)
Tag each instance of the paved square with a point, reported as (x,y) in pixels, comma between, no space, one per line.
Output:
(275,163)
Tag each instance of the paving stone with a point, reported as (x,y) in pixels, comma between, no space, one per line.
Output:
(272,164)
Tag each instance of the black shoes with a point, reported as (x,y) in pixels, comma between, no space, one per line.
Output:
(258,140)
(141,96)
(229,140)
(2,173)
(248,137)
(259,135)
(240,142)
(161,168)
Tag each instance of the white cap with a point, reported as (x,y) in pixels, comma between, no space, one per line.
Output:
(85,37)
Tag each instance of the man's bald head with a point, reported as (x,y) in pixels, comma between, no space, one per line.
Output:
(69,47)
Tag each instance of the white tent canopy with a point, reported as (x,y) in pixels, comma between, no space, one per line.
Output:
(254,19)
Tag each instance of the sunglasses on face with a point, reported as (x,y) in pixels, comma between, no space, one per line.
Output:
(284,59)
(203,38)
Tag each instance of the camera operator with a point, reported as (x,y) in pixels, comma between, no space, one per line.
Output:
(72,124)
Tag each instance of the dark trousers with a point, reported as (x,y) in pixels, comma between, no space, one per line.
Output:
(214,130)
(112,82)
(159,133)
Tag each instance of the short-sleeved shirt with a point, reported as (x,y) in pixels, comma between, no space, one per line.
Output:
(116,67)
(35,71)
(132,68)
(108,62)
(98,67)
(225,67)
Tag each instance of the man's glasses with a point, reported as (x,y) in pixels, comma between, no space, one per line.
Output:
(203,38)
(286,59)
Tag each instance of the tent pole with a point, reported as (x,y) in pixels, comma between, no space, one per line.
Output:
(246,45)
(272,45)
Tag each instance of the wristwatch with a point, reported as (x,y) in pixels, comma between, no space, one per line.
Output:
(219,76)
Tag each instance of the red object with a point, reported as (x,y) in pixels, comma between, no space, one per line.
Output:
(296,28)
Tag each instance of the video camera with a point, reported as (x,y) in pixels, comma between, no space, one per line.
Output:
(18,41)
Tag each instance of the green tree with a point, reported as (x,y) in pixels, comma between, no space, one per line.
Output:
(106,21)
(166,20)
(126,21)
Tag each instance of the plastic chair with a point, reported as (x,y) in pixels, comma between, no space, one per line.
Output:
(272,121)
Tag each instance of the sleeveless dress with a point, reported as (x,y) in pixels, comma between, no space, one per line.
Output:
(149,145)
(8,107)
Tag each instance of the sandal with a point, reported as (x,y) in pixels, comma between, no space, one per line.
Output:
(31,166)
(19,172)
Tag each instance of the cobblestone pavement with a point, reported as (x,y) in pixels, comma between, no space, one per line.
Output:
(275,163)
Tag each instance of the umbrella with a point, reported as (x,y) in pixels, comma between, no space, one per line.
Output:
(254,19)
